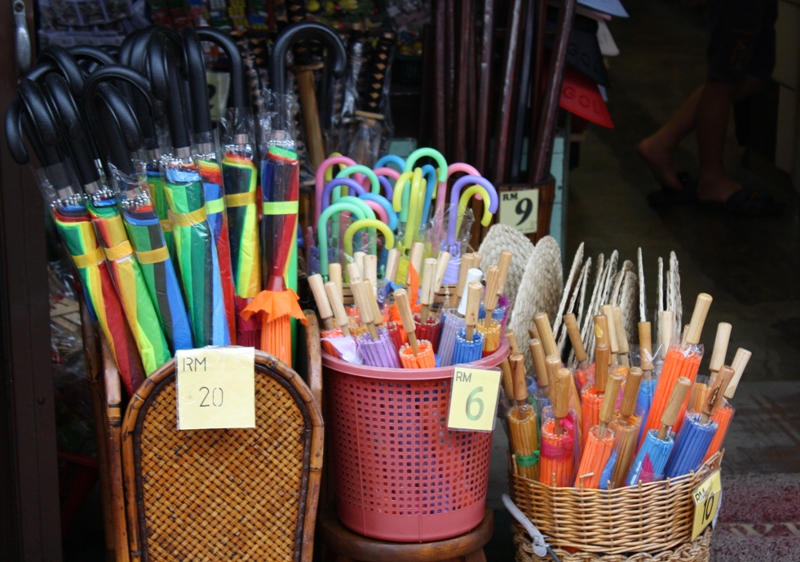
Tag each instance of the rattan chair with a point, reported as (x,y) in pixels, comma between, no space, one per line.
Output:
(240,494)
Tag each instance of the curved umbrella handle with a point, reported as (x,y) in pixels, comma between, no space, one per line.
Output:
(166,84)
(463,167)
(198,86)
(118,72)
(402,196)
(390,216)
(300,32)
(429,172)
(120,127)
(91,54)
(224,41)
(329,187)
(462,206)
(456,193)
(384,161)
(30,113)
(383,176)
(377,209)
(361,169)
(441,192)
(415,208)
(322,233)
(319,178)
(66,64)
(367,223)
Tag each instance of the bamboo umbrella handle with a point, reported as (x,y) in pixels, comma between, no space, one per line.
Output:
(361,295)
(609,402)
(473,307)
(490,300)
(629,397)
(392,261)
(560,396)
(335,298)
(377,316)
(601,355)
(574,333)
(553,364)
(478,259)
(467,261)
(403,306)
(545,330)
(621,332)
(508,381)
(667,329)
(646,346)
(358,259)
(353,274)
(601,335)
(504,264)
(670,415)
(513,346)
(716,392)
(426,295)
(415,258)
(441,268)
(608,312)
(720,347)
(335,275)
(371,269)
(323,304)
(539,363)
(533,333)
(739,363)
(699,314)
(518,376)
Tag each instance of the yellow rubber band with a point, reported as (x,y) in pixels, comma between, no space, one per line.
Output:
(281,208)
(121,250)
(153,256)
(166,226)
(188,219)
(94,257)
(240,199)
(215,206)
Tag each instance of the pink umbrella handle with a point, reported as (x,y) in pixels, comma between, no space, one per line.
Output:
(494,201)
(456,167)
(320,179)
(383,173)
(379,210)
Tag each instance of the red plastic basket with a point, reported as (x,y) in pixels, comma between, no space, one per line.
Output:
(399,474)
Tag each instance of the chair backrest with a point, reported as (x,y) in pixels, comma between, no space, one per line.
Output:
(224,494)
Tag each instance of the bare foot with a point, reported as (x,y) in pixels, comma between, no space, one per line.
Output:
(716,187)
(659,160)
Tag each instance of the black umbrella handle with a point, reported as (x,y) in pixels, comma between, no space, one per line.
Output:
(69,118)
(120,127)
(16,121)
(231,49)
(67,65)
(337,55)
(91,54)
(198,87)
(118,72)
(166,83)
(134,54)
(41,123)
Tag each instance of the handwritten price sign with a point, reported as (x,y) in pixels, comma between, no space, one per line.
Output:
(473,402)
(707,497)
(216,388)
(520,209)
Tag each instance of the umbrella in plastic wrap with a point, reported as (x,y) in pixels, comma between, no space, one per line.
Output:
(682,360)
(452,320)
(599,441)
(649,381)
(415,354)
(73,224)
(205,150)
(277,303)
(523,424)
(583,371)
(329,330)
(437,234)
(557,446)
(428,326)
(651,459)
(545,331)
(375,344)
(490,327)
(698,430)
(724,413)
(626,428)
(469,342)
(541,398)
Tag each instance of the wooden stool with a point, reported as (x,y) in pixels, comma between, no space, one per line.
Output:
(340,544)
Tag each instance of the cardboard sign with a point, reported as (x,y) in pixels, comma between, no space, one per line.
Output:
(473,401)
(707,497)
(216,388)
(520,209)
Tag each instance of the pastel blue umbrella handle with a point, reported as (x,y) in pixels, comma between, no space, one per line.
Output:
(383,161)
(383,202)
(337,207)
(429,172)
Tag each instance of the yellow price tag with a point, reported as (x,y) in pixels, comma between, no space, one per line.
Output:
(707,497)
(520,209)
(473,401)
(216,388)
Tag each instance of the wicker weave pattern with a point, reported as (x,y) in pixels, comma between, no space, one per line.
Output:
(696,551)
(239,494)
(649,518)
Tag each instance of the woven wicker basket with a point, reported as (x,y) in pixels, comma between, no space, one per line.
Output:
(646,522)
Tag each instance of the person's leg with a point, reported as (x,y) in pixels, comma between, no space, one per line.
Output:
(713,111)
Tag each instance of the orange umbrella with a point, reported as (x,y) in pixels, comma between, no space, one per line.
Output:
(415,354)
(545,331)
(523,424)
(626,428)
(682,361)
(427,325)
(584,372)
(490,328)
(592,395)
(599,443)
(557,456)
(724,413)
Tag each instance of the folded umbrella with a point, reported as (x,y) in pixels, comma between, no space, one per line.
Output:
(428,326)
(626,428)
(698,430)
(583,370)
(725,412)
(541,398)
(469,342)
(415,354)
(592,395)
(451,320)
(490,327)
(599,441)
(375,344)
(648,385)
(557,455)
(523,424)
(651,459)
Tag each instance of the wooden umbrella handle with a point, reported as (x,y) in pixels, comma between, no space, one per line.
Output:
(360,293)
(441,268)
(335,276)
(518,374)
(539,363)
(621,332)
(608,312)
(667,329)
(407,318)
(490,300)
(353,274)
(323,304)
(716,393)
(371,269)
(504,264)
(601,355)
(358,259)
(631,394)
(670,415)
(474,292)
(646,346)
(377,315)
(508,381)
(561,393)
(553,364)
(720,346)
(335,298)
(601,335)
(467,261)
(426,294)
(478,259)
(545,330)
(392,261)
(513,346)
(610,398)
(415,258)
(739,363)
(574,333)
(699,314)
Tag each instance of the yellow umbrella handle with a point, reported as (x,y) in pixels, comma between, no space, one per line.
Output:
(397,197)
(465,197)
(415,205)
(367,223)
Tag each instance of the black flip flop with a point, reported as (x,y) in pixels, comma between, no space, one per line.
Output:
(666,197)
(747,202)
